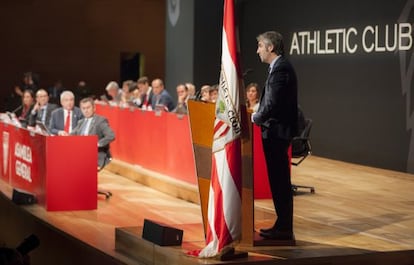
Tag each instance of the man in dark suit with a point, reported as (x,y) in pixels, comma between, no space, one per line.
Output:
(42,110)
(277,117)
(64,119)
(161,98)
(93,124)
(145,91)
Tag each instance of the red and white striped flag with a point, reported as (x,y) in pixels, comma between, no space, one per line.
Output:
(224,205)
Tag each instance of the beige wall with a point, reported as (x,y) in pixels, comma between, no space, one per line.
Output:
(78,39)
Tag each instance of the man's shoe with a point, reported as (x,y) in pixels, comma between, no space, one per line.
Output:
(266,230)
(278,235)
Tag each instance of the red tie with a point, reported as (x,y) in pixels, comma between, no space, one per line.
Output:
(67,122)
(145,100)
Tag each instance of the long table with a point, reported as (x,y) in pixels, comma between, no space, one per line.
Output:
(161,142)
(61,171)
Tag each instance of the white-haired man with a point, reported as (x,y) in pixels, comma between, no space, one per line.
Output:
(114,92)
(65,118)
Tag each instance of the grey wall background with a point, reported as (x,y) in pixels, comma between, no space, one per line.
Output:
(179,43)
(360,112)
(193,45)
(360,102)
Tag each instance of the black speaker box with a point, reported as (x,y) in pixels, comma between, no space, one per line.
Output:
(161,234)
(23,198)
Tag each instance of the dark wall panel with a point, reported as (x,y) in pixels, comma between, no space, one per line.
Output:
(179,44)
(79,40)
(208,23)
(360,110)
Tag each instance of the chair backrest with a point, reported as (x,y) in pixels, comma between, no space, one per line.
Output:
(301,146)
(308,126)
(104,157)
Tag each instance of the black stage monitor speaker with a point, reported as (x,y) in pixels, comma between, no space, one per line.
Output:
(22,197)
(161,234)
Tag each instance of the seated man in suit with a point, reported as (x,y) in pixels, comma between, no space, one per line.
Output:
(161,98)
(182,99)
(145,93)
(63,120)
(114,93)
(42,110)
(93,124)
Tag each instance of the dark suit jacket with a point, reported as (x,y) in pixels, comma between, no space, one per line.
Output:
(164,99)
(277,114)
(57,119)
(50,107)
(149,99)
(24,116)
(99,126)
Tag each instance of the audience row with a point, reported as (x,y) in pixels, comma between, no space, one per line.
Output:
(138,94)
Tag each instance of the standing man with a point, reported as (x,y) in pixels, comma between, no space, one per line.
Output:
(42,110)
(65,118)
(93,124)
(277,117)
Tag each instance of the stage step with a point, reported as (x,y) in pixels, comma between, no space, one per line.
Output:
(154,180)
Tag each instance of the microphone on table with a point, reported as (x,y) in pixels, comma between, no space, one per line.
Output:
(17,109)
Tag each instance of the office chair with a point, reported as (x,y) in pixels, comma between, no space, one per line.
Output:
(105,161)
(301,148)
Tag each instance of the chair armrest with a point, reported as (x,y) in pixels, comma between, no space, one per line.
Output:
(305,149)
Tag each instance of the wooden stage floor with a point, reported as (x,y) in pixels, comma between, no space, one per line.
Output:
(358,215)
